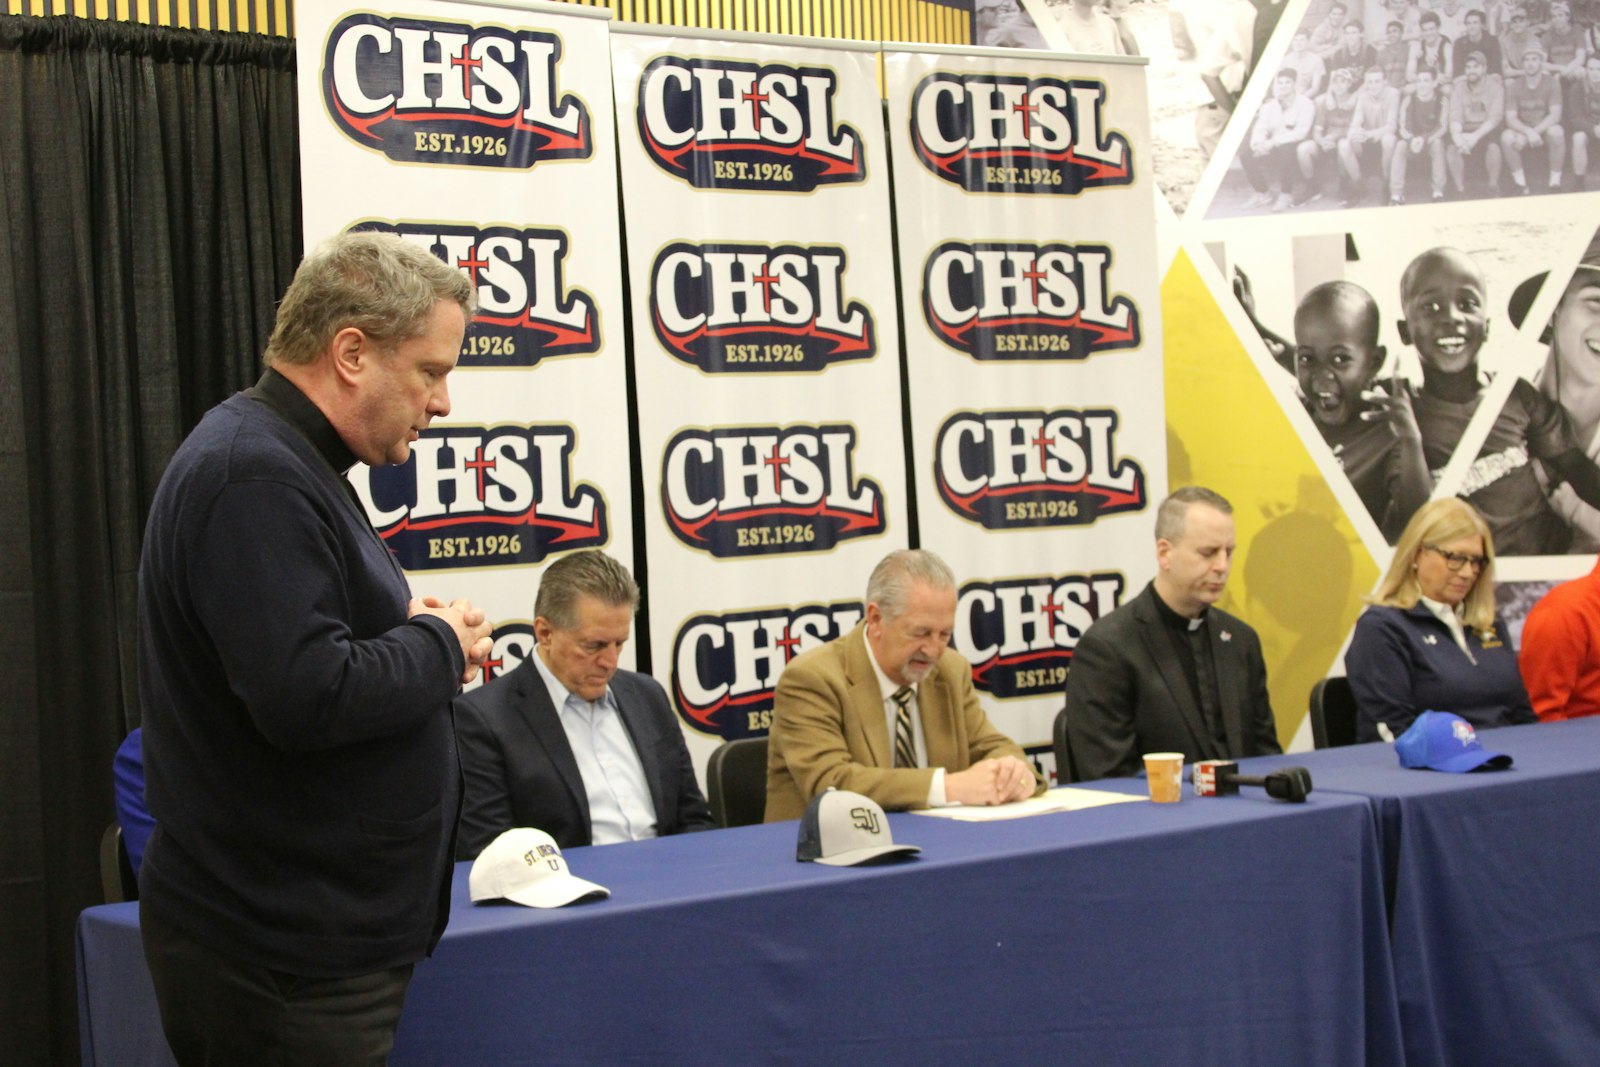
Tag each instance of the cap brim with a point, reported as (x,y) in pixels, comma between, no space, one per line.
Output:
(1479,759)
(857,856)
(556,892)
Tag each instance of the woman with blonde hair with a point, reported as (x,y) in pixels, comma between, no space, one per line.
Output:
(1430,641)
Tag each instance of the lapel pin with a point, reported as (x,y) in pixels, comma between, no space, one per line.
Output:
(1430,639)
(1226,636)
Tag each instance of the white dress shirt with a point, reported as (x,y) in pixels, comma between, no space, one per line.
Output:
(936,797)
(1448,615)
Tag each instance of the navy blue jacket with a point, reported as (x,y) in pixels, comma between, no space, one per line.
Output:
(299,750)
(1403,661)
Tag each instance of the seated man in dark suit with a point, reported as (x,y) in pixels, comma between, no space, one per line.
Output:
(888,710)
(567,742)
(1168,671)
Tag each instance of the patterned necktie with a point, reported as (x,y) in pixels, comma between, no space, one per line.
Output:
(905,746)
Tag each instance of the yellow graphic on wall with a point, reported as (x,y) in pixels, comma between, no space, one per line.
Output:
(1300,569)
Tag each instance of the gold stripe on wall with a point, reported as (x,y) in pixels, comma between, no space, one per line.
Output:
(860,20)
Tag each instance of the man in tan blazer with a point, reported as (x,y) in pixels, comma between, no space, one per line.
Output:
(888,710)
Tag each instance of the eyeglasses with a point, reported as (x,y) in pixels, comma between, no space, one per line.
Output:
(1454,561)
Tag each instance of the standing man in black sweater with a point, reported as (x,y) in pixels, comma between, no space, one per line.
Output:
(298,741)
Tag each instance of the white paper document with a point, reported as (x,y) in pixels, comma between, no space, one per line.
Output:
(1061,798)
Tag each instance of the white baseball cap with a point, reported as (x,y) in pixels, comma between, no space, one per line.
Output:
(525,866)
(843,829)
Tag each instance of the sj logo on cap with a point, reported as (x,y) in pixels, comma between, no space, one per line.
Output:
(842,829)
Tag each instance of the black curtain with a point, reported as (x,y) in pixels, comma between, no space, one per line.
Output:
(149,219)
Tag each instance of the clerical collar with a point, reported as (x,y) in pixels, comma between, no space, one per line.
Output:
(286,400)
(1172,618)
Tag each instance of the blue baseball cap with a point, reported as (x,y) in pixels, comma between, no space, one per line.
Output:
(1443,741)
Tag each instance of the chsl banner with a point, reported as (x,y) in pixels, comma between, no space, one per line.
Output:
(766,354)
(485,134)
(1031,288)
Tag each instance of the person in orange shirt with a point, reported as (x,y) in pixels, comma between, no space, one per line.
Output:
(1560,656)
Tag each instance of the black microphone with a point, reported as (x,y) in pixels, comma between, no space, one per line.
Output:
(1290,783)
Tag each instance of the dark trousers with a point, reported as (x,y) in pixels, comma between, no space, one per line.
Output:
(1279,166)
(219,1010)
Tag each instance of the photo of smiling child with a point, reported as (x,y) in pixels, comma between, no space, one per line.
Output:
(1530,449)
(1571,377)
(1336,360)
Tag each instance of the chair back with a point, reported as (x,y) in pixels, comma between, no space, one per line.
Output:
(736,782)
(117,881)
(1066,767)
(1333,713)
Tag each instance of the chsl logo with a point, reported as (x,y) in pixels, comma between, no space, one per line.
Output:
(440,92)
(743,308)
(1019,633)
(725,667)
(481,496)
(765,490)
(1016,301)
(1009,470)
(513,646)
(722,124)
(525,310)
(1000,133)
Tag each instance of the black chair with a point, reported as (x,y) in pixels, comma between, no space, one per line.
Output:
(1066,767)
(117,881)
(1333,713)
(736,781)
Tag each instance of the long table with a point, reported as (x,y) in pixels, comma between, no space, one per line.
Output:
(1230,931)
(1493,882)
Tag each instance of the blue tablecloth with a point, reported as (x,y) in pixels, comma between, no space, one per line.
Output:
(1493,880)
(1229,931)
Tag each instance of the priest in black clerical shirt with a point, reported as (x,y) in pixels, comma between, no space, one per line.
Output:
(1169,671)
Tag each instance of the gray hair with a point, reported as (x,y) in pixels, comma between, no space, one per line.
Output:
(586,573)
(381,284)
(1173,514)
(892,579)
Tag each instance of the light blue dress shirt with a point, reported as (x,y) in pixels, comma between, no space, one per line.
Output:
(620,808)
